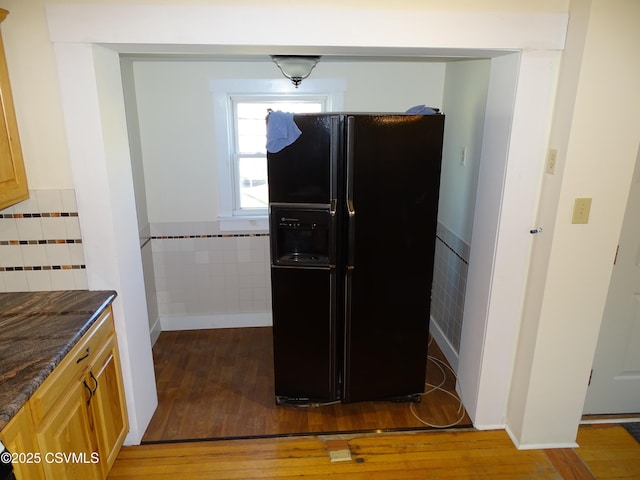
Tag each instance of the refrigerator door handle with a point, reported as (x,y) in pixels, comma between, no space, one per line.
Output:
(333,323)
(334,155)
(351,211)
(351,235)
(332,238)
(346,359)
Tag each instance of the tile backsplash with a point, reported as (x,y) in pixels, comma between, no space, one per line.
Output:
(41,245)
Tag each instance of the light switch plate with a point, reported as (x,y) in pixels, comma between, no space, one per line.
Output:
(581,210)
(552,160)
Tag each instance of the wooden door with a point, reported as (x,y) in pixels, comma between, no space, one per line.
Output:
(107,404)
(615,381)
(17,436)
(66,436)
(13,180)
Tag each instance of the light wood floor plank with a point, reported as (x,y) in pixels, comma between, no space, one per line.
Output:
(454,455)
(609,451)
(569,464)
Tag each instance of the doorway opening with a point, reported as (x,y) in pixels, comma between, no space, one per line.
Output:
(199,276)
(515,129)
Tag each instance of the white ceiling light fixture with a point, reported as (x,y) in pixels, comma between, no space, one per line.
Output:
(295,67)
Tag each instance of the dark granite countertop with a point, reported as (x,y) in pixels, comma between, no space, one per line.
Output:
(37,330)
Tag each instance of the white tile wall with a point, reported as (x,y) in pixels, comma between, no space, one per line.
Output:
(41,245)
(199,274)
(451,267)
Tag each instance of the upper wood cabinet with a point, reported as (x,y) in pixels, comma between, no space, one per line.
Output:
(13,179)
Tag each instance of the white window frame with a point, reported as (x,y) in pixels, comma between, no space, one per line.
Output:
(223,91)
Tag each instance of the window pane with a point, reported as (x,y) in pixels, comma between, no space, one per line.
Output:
(252,135)
(253,189)
(250,144)
(252,126)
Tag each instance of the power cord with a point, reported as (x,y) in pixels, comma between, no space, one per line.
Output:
(441,366)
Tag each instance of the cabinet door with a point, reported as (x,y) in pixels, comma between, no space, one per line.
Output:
(17,436)
(107,404)
(66,438)
(13,180)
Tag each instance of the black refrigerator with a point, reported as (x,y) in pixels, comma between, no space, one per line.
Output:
(352,212)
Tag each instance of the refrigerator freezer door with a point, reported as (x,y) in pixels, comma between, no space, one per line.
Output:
(302,173)
(304,349)
(303,197)
(394,163)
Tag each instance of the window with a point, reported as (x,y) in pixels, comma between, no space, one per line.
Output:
(248,153)
(240,109)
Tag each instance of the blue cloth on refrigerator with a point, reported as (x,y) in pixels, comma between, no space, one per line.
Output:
(421,110)
(282,131)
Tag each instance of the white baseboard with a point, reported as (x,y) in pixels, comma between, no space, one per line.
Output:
(500,426)
(538,446)
(223,320)
(155,331)
(601,421)
(447,349)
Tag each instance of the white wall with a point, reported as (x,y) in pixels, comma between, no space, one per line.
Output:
(35,84)
(135,147)
(465,100)
(177,124)
(519,106)
(94,105)
(137,172)
(464,104)
(572,264)
(201,278)
(32,71)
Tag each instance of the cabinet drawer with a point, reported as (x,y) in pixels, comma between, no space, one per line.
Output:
(73,367)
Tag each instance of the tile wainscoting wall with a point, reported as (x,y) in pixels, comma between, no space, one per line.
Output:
(208,279)
(203,278)
(451,266)
(41,244)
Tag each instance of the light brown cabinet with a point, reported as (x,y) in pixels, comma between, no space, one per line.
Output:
(13,178)
(77,418)
(19,438)
(107,404)
(68,429)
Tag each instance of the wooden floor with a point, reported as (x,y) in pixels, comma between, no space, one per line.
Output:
(219,384)
(606,452)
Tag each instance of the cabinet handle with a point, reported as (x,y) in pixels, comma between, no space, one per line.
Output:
(95,380)
(90,392)
(83,357)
